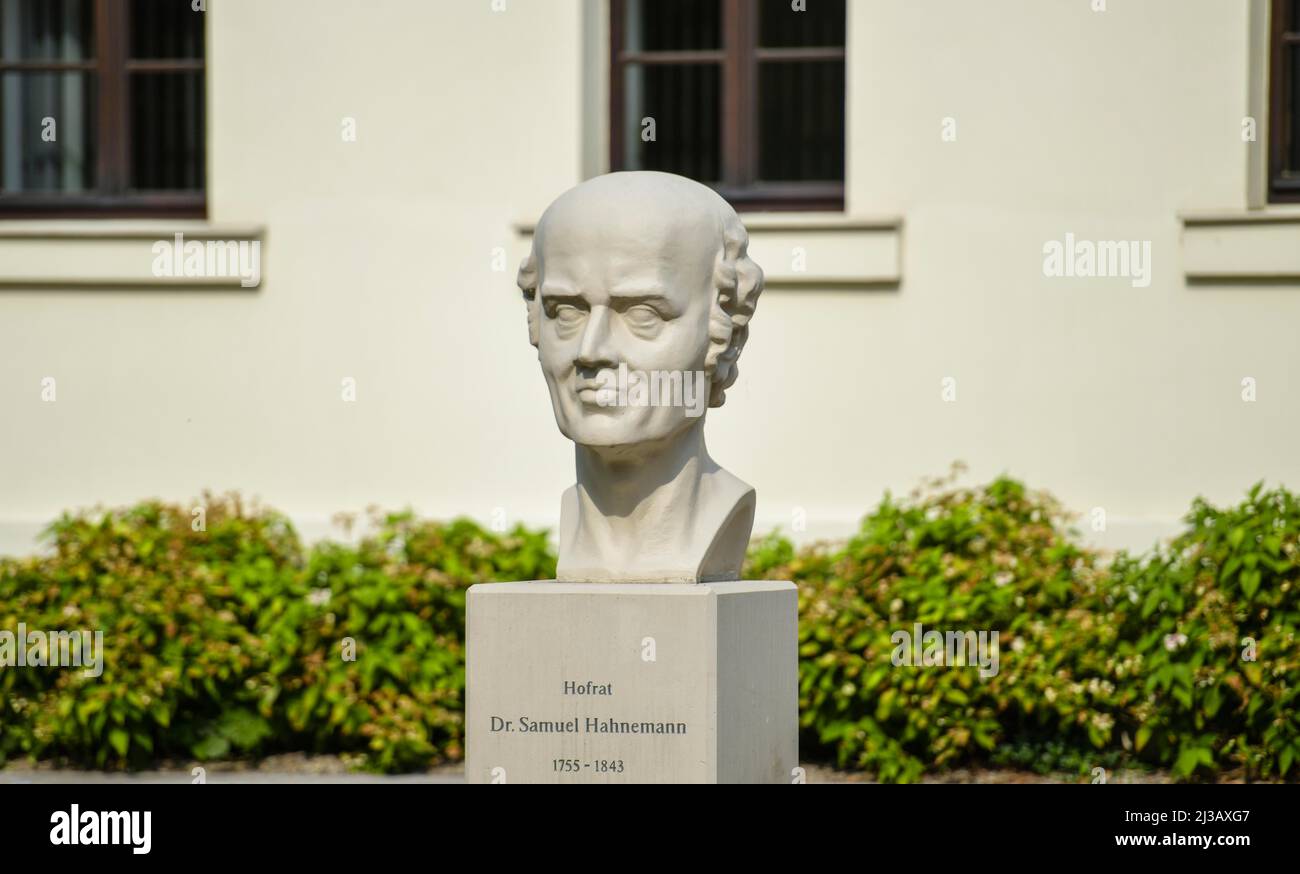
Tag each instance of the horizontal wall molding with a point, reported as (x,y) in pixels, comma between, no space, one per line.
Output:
(1247,245)
(118,254)
(819,250)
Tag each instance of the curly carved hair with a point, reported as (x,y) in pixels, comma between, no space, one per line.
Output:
(737,283)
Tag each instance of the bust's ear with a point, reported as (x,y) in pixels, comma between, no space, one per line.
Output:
(533,318)
(528,285)
(739,282)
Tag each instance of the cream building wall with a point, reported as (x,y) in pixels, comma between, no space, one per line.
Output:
(378,265)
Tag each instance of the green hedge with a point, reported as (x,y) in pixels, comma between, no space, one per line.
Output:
(1186,657)
(231,641)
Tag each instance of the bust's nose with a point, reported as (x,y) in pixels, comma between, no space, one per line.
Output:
(596,349)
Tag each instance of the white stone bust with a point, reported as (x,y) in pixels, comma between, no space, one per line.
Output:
(639,294)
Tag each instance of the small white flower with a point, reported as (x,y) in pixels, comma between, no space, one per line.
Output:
(318,597)
(1174,641)
(1003,578)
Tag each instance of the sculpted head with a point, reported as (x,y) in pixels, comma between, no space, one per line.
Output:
(649,271)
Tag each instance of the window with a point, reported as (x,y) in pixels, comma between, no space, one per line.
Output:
(745,95)
(1284,111)
(101,108)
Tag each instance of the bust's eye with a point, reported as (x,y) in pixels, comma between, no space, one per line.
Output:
(642,317)
(566,314)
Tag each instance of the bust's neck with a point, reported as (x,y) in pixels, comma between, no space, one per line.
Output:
(654,513)
(654,487)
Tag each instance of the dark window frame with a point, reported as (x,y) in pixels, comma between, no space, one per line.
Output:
(111,197)
(739,58)
(1283,183)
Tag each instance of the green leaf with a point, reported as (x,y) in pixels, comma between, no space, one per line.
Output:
(1186,763)
(244,729)
(120,740)
(1249,582)
(885,704)
(214,746)
(874,678)
(86,709)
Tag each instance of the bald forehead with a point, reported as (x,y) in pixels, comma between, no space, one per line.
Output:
(648,211)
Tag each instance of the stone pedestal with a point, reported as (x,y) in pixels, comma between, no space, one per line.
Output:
(632,683)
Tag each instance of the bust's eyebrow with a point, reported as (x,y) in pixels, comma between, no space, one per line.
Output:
(629,295)
(561,293)
(637,294)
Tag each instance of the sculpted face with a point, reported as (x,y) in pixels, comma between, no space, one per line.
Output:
(626,277)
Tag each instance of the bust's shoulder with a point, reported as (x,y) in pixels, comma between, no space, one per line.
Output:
(727,511)
(569,502)
(570,494)
(568,532)
(727,488)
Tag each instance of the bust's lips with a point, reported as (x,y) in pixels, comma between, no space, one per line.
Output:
(591,397)
(588,391)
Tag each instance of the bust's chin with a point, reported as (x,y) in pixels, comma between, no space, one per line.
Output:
(629,436)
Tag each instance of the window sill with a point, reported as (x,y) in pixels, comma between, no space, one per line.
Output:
(1255,245)
(826,250)
(110,253)
(820,250)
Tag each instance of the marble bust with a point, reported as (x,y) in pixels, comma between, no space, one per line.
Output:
(639,294)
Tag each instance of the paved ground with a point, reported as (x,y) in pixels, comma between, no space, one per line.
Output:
(330,769)
(14,775)
(293,768)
